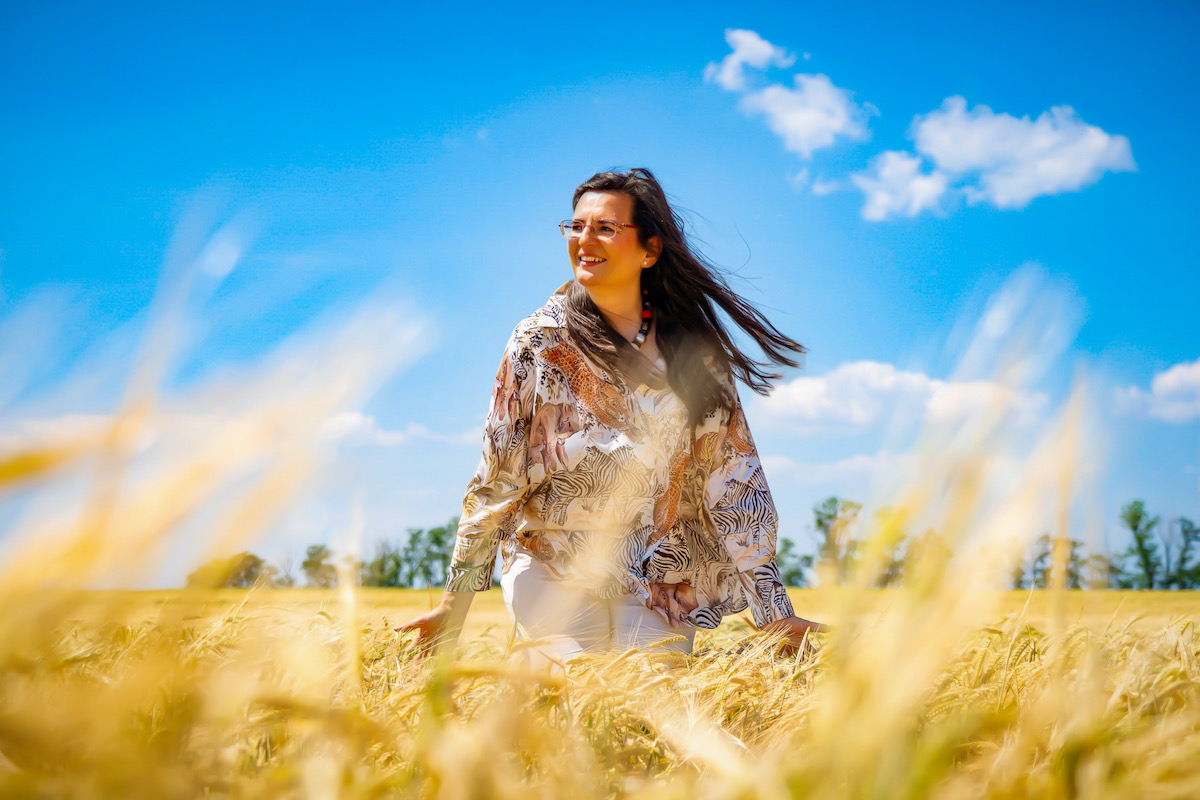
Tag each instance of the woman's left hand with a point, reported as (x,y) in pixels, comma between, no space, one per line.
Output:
(794,628)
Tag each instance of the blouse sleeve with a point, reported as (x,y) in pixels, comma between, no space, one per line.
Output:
(497,491)
(743,513)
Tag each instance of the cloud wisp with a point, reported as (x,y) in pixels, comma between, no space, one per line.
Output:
(748,49)
(1009,161)
(356,429)
(862,393)
(1174,395)
(973,154)
(809,115)
(895,185)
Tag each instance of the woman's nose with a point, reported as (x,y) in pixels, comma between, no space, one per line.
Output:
(588,232)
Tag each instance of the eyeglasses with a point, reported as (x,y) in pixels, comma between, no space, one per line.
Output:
(601,228)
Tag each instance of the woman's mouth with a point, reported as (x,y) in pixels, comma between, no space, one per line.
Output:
(588,261)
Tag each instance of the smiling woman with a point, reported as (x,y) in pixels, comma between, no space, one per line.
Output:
(618,473)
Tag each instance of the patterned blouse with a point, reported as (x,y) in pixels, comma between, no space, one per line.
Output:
(610,488)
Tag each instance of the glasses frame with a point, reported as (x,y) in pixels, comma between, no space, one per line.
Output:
(564,227)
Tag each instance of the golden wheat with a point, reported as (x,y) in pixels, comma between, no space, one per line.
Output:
(938,688)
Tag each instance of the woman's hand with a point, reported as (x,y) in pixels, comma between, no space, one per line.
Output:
(440,626)
(794,628)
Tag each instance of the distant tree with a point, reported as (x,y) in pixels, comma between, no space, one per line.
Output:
(1144,549)
(834,521)
(350,566)
(1018,577)
(926,557)
(792,565)
(283,574)
(439,548)
(385,568)
(240,571)
(412,559)
(1039,567)
(318,566)
(1104,572)
(1047,553)
(425,559)
(1181,536)
(1076,563)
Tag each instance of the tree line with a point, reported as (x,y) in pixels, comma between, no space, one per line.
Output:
(420,562)
(1161,555)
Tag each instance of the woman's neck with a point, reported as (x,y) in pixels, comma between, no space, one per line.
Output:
(623,310)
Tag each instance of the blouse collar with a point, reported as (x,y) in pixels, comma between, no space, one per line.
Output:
(554,313)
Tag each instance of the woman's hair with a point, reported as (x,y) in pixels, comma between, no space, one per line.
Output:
(685,291)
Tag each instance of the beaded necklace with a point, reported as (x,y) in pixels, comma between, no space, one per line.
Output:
(647,318)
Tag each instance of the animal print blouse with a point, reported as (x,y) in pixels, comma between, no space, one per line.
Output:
(609,487)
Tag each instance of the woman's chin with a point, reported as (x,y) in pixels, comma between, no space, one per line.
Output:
(587,278)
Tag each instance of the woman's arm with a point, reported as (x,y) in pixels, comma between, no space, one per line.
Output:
(493,498)
(744,515)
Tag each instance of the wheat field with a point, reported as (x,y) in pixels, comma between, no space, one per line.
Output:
(307,693)
(942,687)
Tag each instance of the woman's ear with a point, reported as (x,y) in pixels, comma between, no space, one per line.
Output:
(653,251)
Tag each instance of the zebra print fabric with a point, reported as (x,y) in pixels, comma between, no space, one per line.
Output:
(608,487)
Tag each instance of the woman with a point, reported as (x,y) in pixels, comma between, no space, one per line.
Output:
(618,472)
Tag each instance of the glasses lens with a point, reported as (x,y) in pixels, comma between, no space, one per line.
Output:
(604,229)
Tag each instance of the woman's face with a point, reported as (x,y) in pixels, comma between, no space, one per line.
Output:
(613,265)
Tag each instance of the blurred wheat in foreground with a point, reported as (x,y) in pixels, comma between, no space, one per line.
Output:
(926,690)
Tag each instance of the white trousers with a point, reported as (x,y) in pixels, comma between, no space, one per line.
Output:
(558,620)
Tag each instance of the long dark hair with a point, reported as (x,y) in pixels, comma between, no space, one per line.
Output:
(685,290)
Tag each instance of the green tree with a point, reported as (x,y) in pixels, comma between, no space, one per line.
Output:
(1044,558)
(412,559)
(439,548)
(834,521)
(889,528)
(1186,575)
(792,565)
(1104,572)
(318,566)
(283,576)
(385,568)
(1019,577)
(1143,549)
(240,571)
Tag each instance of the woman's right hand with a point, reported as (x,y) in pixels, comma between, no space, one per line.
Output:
(441,625)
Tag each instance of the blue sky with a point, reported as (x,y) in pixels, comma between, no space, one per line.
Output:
(871,174)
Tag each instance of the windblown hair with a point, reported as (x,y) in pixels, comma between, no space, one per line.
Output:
(685,291)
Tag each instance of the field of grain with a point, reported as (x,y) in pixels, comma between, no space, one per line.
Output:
(942,687)
(306,693)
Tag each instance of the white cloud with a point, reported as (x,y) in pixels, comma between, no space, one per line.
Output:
(856,467)
(800,179)
(1018,159)
(862,393)
(822,187)
(749,49)
(357,429)
(1174,395)
(810,116)
(895,185)
(807,116)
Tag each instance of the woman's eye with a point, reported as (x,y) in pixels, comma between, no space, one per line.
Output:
(607,229)
(577,227)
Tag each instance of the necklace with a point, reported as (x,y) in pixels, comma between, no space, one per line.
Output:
(647,318)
